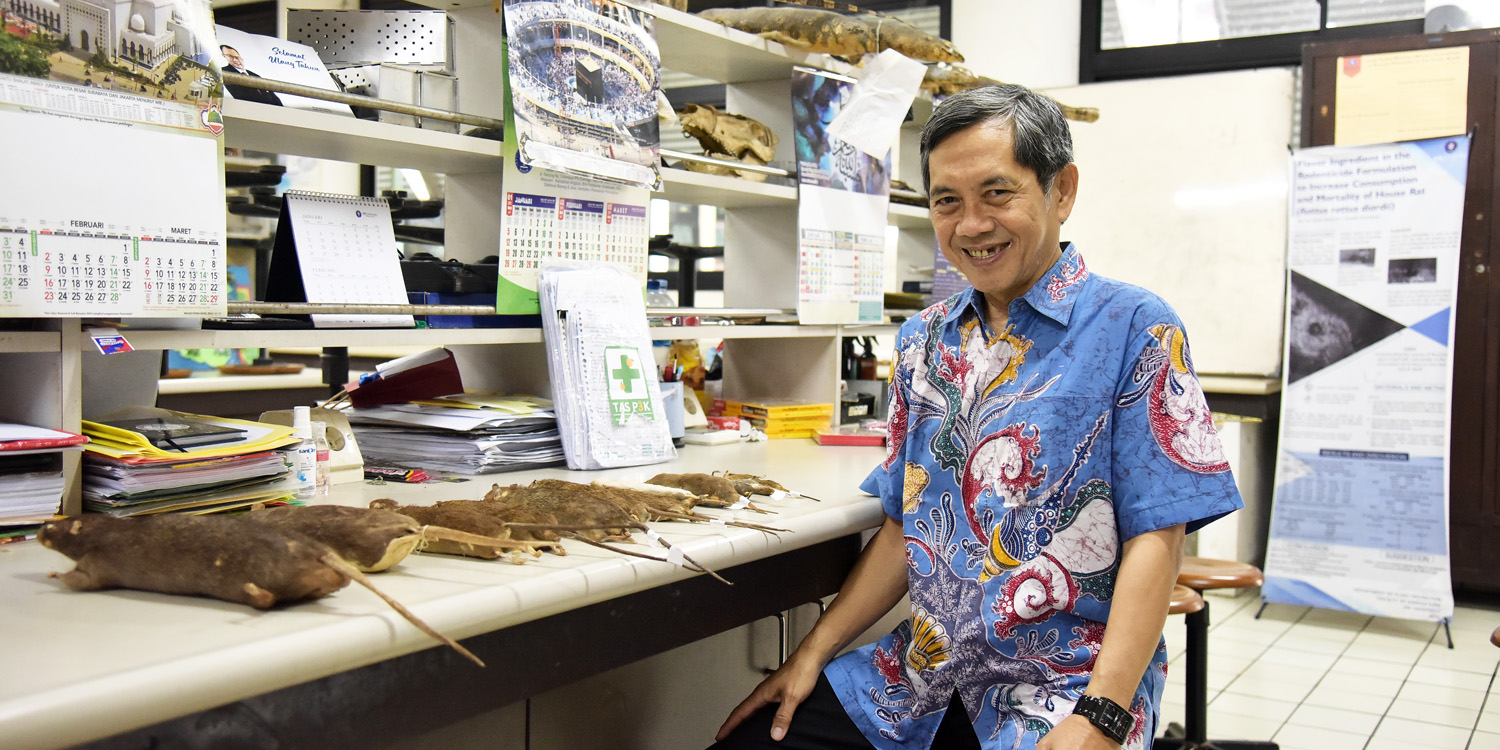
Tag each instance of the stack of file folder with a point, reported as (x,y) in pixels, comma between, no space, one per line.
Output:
(31,477)
(778,418)
(472,433)
(154,461)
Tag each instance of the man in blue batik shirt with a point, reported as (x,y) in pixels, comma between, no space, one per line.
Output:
(1049,448)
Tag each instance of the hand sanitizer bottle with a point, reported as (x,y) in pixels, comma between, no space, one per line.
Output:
(306,455)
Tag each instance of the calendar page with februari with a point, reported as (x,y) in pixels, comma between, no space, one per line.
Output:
(114,210)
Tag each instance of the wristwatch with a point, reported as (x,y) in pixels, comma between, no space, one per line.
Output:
(1107,716)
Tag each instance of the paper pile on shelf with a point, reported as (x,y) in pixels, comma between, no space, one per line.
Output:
(126,474)
(31,478)
(461,434)
(603,375)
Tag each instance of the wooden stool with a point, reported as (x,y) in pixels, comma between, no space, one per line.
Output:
(1205,573)
(1186,601)
(1201,574)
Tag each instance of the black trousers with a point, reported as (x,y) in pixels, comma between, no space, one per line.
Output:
(820,723)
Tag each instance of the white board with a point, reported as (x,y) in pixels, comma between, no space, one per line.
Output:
(1182,190)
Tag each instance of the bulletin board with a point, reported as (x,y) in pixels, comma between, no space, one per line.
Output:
(1182,190)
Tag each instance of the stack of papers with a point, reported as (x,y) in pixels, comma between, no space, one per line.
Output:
(461,434)
(127,473)
(31,479)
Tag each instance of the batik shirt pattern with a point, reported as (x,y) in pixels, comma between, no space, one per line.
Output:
(1018,462)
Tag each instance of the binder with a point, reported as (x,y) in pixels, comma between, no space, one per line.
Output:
(429,379)
(337,248)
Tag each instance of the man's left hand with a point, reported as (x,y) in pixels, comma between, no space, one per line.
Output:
(1076,733)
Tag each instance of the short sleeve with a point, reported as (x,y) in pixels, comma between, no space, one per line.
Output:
(887,481)
(1169,466)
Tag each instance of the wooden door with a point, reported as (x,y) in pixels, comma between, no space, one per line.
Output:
(1474,514)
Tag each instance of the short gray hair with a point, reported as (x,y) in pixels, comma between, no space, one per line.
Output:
(1039,134)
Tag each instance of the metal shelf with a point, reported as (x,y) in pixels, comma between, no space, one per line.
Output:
(30,342)
(682,186)
(907,216)
(311,339)
(318,337)
(744,332)
(323,135)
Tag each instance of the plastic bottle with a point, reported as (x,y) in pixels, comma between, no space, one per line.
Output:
(656,294)
(306,454)
(323,479)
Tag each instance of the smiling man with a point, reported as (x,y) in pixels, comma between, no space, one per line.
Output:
(1049,448)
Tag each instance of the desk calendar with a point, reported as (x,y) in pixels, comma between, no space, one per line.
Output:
(123,217)
(551,216)
(337,248)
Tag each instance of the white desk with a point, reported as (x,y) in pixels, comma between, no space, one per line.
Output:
(87,665)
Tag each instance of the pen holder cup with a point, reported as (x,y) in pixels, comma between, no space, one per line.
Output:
(671,402)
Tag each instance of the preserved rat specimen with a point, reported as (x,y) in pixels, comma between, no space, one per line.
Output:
(491,517)
(713,491)
(467,515)
(945,80)
(375,539)
(750,484)
(576,507)
(729,137)
(224,557)
(668,504)
(835,34)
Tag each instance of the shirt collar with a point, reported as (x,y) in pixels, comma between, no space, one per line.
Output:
(1052,295)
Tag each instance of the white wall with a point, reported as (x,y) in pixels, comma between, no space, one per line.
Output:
(1029,42)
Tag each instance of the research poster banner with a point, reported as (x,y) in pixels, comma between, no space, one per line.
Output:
(843,203)
(1360,515)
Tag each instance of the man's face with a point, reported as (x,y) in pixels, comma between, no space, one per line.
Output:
(233,56)
(993,221)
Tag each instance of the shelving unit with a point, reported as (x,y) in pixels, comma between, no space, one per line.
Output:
(760,233)
(46,387)
(313,337)
(30,342)
(904,216)
(323,135)
(682,186)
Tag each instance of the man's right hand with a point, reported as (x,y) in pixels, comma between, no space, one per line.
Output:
(788,686)
(873,587)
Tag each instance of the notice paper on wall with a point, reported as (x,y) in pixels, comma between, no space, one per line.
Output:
(114,206)
(842,207)
(1401,96)
(1360,515)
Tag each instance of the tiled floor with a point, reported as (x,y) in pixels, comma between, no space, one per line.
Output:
(1313,679)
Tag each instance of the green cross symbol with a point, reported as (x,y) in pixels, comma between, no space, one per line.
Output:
(625,373)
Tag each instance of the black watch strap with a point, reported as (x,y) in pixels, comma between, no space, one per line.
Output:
(1107,716)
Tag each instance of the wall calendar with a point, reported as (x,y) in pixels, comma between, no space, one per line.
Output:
(120,212)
